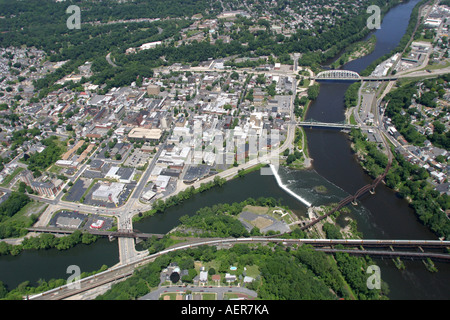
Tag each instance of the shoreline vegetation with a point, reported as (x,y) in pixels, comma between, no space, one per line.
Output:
(160,206)
(292,273)
(352,52)
(315,47)
(297,163)
(25,289)
(414,18)
(296,160)
(355,51)
(373,161)
(342,280)
(48,241)
(428,205)
(315,59)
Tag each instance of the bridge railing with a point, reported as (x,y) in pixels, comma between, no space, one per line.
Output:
(338,74)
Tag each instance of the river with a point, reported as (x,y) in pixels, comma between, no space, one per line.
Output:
(382,216)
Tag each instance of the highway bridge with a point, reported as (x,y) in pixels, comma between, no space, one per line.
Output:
(316,124)
(126,270)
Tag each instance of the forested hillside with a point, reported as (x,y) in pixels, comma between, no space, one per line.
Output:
(43,24)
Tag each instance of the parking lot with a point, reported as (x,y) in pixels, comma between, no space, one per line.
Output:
(77,220)
(196,172)
(108,222)
(137,159)
(77,190)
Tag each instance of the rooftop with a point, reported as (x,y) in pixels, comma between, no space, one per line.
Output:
(143,133)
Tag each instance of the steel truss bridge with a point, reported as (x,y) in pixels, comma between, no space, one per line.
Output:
(347,75)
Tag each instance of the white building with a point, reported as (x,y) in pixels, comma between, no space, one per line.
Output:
(148,195)
(203,276)
(109,192)
(433,23)
(150,45)
(162,182)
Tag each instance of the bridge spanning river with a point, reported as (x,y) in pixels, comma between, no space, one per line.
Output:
(317,124)
(347,75)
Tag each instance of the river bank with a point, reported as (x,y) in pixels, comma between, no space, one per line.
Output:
(373,161)
(383,215)
(355,51)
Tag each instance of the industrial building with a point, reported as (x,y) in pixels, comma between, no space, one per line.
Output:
(123,175)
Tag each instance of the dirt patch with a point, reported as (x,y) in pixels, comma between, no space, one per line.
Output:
(262,222)
(256,209)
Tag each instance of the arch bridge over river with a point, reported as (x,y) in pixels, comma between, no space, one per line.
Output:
(348,75)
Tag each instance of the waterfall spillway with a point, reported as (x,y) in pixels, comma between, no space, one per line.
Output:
(285,188)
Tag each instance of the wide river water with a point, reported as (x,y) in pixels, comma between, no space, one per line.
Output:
(381,216)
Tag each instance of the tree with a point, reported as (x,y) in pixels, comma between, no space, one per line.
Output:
(291,158)
(260,79)
(211,271)
(313,92)
(22,187)
(3,290)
